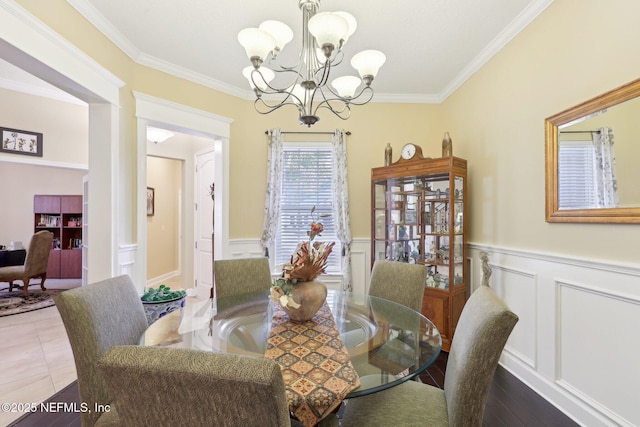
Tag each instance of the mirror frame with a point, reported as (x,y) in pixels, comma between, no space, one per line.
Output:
(598,215)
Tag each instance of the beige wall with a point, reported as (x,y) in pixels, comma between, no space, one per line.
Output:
(495,119)
(59,171)
(20,182)
(165,177)
(64,126)
(575,50)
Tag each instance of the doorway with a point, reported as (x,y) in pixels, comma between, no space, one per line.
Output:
(187,199)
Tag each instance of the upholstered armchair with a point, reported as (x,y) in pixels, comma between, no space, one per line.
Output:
(179,387)
(35,264)
(483,329)
(96,317)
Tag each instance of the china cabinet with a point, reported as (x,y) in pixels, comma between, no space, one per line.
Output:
(418,216)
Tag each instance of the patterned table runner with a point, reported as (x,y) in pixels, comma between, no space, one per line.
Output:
(315,364)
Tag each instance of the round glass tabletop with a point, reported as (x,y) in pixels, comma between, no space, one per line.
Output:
(388,343)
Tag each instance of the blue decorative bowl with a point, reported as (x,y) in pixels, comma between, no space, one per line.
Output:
(157,309)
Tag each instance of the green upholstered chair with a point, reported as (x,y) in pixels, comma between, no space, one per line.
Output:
(482,331)
(35,264)
(399,282)
(96,317)
(178,387)
(238,276)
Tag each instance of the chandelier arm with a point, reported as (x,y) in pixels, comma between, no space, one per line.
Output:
(326,69)
(354,100)
(327,103)
(343,113)
(272,108)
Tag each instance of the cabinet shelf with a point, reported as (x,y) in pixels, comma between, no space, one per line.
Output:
(418,216)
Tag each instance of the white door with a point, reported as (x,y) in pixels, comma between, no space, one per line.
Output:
(203,222)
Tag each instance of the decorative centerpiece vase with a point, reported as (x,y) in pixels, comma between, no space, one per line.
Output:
(310,295)
(297,291)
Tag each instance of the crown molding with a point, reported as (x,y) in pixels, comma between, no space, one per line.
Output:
(512,30)
(515,27)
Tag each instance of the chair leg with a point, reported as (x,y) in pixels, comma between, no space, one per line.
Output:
(10,286)
(43,278)
(25,282)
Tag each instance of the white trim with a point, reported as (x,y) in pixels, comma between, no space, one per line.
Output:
(590,263)
(170,115)
(8,158)
(75,71)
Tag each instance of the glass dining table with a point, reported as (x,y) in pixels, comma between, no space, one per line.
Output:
(387,343)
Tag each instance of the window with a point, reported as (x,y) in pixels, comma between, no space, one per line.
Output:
(306,182)
(576,175)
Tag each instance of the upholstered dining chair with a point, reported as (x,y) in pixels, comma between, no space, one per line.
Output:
(35,264)
(96,317)
(171,386)
(483,329)
(399,282)
(237,276)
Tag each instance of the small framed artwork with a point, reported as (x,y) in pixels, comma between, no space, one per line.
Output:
(151,201)
(21,142)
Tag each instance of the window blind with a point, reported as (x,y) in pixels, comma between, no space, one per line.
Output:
(576,175)
(306,182)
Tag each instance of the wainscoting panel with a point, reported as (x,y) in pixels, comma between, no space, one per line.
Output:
(594,327)
(127,262)
(577,340)
(517,288)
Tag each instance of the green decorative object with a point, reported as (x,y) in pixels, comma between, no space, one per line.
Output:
(158,302)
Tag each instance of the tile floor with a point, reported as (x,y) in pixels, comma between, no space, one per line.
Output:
(36,357)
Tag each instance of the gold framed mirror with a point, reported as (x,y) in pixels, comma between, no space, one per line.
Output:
(592,159)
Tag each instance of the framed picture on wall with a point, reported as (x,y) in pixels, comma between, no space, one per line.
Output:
(21,142)
(151,201)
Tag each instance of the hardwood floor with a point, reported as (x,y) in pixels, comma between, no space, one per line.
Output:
(510,403)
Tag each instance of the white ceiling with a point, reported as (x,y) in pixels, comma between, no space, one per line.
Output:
(432,46)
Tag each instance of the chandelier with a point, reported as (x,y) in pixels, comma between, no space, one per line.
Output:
(304,84)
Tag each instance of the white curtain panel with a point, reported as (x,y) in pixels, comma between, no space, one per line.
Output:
(605,165)
(272,198)
(341,204)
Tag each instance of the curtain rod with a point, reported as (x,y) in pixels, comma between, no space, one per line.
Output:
(266,132)
(579,131)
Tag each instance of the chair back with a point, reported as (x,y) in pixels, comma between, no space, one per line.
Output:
(482,331)
(399,282)
(238,276)
(171,386)
(38,255)
(96,317)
